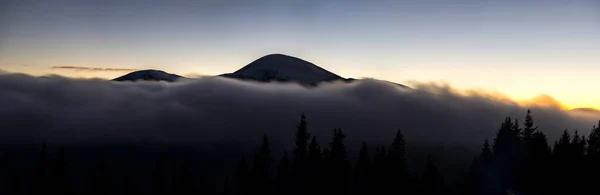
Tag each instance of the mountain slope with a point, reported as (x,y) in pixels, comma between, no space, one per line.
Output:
(279,67)
(149,75)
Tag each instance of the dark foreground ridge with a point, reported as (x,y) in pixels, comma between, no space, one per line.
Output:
(518,160)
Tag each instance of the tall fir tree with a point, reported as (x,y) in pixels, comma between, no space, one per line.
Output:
(540,160)
(314,151)
(487,178)
(302,136)
(562,149)
(540,145)
(529,127)
(592,159)
(576,162)
(396,166)
(562,159)
(486,156)
(507,153)
(531,151)
(517,131)
(300,153)
(338,165)
(578,145)
(593,149)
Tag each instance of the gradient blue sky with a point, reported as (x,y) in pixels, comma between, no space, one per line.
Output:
(521,48)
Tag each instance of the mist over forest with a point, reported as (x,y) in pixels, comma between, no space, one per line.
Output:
(211,122)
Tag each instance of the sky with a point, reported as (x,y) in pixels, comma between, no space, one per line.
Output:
(520,48)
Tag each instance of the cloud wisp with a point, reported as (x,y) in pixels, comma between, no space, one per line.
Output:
(81,68)
(224,110)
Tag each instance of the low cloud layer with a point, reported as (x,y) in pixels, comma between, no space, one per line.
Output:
(81,68)
(226,110)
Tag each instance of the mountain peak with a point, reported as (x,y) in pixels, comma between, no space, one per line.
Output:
(149,75)
(281,67)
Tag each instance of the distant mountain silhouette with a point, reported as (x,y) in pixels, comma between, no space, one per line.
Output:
(284,68)
(149,75)
(272,67)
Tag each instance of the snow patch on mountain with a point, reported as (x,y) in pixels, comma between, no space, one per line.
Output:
(279,67)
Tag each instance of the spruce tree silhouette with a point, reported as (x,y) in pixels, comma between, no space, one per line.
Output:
(488,180)
(529,168)
(159,178)
(529,127)
(338,165)
(314,152)
(396,167)
(517,131)
(39,181)
(562,148)
(300,153)
(283,175)
(315,168)
(60,179)
(261,179)
(507,155)
(302,136)
(592,159)
(563,155)
(593,149)
(432,180)
(578,144)
(538,169)
(362,171)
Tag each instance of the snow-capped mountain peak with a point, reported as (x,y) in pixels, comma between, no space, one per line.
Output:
(279,67)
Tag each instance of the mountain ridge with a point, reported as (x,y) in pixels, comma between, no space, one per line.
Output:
(149,75)
(269,68)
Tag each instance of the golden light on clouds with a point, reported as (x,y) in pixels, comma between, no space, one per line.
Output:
(80,68)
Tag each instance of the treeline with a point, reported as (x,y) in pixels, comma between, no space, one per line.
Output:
(519,160)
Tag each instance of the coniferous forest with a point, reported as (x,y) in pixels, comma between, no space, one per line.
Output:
(518,160)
